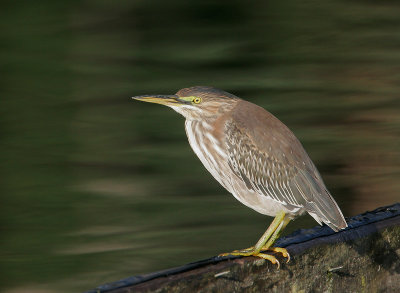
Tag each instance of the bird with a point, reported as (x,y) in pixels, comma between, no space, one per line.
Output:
(256,158)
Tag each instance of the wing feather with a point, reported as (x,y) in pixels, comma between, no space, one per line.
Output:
(278,168)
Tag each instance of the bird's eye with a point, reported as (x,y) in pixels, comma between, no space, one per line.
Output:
(197,100)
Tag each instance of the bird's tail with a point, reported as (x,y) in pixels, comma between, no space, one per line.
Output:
(329,213)
(323,208)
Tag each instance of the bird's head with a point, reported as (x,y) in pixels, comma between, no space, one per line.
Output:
(195,103)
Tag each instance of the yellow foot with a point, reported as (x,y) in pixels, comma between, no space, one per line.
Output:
(250,252)
(246,252)
(280,250)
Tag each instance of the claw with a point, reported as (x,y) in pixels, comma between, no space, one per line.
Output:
(269,257)
(282,251)
(246,252)
(251,252)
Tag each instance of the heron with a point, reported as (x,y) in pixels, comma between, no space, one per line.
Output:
(256,158)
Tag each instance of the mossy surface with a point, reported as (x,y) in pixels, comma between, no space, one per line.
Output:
(367,264)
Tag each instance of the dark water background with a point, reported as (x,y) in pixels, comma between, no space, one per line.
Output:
(96,187)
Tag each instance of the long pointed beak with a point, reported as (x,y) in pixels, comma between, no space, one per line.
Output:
(160,99)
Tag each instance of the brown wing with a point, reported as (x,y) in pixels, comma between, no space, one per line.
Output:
(270,160)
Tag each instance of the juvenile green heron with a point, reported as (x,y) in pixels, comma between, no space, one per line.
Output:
(255,157)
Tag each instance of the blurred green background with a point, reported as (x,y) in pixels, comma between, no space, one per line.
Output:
(96,187)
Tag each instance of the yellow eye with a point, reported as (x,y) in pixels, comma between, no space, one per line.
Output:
(197,100)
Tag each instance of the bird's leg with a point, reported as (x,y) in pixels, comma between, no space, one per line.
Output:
(271,234)
(268,245)
(266,240)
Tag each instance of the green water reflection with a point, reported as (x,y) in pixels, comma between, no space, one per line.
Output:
(96,187)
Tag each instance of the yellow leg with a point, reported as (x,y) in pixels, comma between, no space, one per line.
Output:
(268,245)
(265,242)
